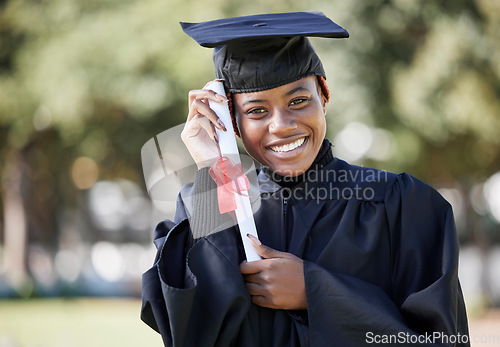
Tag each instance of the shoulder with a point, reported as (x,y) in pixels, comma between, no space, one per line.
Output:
(378,185)
(411,190)
(365,183)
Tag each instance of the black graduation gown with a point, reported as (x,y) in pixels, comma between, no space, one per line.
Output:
(380,265)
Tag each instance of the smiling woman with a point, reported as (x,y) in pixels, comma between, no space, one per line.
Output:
(348,252)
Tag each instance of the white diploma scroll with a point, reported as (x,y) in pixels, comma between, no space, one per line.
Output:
(229,148)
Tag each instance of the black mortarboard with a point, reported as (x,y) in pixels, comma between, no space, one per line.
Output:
(260,52)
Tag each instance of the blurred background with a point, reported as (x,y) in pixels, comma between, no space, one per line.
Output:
(85,84)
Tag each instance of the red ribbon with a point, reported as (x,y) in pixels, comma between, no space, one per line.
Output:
(230,180)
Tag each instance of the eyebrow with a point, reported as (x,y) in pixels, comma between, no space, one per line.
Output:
(295,90)
(290,92)
(253,101)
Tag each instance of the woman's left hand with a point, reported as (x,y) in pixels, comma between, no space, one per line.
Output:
(277,281)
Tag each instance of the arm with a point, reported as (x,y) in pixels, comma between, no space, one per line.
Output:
(194,286)
(425,298)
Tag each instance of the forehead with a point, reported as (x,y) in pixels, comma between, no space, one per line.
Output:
(303,84)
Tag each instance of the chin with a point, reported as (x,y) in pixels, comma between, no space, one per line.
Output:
(289,172)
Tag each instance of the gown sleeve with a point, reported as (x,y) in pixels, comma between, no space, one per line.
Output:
(426,305)
(191,301)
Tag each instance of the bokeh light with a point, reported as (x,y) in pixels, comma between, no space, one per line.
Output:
(107,205)
(68,265)
(114,205)
(41,266)
(353,142)
(107,261)
(477,199)
(42,118)
(357,141)
(84,172)
(456,199)
(491,192)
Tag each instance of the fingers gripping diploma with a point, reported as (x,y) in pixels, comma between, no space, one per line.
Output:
(277,281)
(199,134)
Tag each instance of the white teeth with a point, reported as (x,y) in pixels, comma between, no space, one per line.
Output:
(290,146)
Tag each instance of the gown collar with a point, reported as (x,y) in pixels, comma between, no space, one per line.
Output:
(270,181)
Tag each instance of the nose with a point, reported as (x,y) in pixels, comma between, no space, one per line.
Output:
(282,123)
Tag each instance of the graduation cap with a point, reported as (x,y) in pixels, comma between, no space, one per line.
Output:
(260,52)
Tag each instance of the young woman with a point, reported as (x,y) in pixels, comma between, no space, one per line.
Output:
(351,255)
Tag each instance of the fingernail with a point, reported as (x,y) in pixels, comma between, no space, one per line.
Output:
(221,97)
(254,240)
(222,125)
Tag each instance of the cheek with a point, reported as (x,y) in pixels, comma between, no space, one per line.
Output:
(317,122)
(323,126)
(249,135)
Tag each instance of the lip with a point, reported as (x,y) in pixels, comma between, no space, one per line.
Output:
(286,142)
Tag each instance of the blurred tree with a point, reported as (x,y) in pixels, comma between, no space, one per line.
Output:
(93,79)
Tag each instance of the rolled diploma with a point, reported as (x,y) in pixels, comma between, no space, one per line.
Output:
(228,147)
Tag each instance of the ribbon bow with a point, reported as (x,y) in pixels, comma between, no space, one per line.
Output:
(230,180)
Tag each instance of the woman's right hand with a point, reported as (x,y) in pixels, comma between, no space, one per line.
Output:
(199,134)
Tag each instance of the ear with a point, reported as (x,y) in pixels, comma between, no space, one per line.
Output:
(324,103)
(237,131)
(324,99)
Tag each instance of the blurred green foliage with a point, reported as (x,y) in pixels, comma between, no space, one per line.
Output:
(100,78)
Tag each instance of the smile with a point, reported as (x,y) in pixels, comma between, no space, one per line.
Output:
(289,146)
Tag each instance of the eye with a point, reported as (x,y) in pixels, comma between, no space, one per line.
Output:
(257,111)
(298,101)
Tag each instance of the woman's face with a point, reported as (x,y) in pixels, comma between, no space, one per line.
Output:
(283,128)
